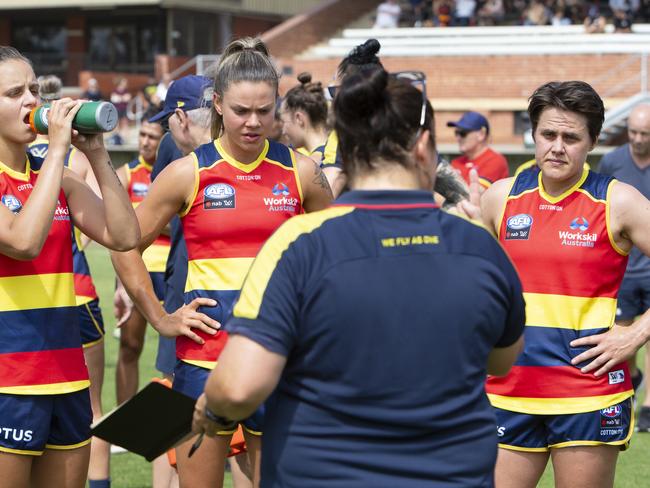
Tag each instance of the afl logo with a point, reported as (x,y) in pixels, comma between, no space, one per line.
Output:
(140,189)
(280,189)
(579,223)
(219,195)
(12,203)
(612,412)
(518,227)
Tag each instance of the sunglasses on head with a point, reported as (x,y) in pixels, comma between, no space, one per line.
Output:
(419,80)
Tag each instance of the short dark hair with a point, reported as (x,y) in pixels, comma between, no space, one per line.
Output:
(308,97)
(377,119)
(572,96)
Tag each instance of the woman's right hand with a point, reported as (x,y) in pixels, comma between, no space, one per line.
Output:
(59,122)
(187,317)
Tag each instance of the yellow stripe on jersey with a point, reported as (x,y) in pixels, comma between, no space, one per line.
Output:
(566,312)
(200,364)
(53,389)
(559,406)
(217,274)
(155,258)
(551,198)
(195,190)
(37,291)
(250,301)
(245,167)
(331,146)
(608,224)
(82,300)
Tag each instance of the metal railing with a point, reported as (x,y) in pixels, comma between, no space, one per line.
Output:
(198,64)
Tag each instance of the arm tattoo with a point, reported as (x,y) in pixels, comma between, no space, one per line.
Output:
(320,178)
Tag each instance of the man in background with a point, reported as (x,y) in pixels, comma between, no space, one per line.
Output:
(630,163)
(473,133)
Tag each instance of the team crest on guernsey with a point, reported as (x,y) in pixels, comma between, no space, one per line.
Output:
(518,227)
(218,195)
(140,189)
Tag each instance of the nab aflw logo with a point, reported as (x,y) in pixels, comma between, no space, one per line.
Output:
(219,195)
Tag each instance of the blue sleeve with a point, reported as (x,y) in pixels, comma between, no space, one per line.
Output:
(267,311)
(167,152)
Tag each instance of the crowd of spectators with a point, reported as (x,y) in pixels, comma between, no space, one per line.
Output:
(443,13)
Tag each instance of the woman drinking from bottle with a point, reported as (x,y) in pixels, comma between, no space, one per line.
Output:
(43,378)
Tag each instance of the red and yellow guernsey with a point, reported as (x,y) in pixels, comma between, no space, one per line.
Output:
(84,288)
(235,209)
(40,342)
(139,180)
(571,270)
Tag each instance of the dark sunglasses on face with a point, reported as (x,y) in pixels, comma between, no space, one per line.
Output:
(461,133)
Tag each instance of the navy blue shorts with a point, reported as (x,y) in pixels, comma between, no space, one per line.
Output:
(91,323)
(633,298)
(538,433)
(158,280)
(190,380)
(166,356)
(32,423)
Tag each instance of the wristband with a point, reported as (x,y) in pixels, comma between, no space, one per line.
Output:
(218,419)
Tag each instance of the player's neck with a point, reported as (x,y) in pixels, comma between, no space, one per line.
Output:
(390,178)
(12,155)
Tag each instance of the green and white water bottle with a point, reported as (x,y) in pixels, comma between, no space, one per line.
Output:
(92,118)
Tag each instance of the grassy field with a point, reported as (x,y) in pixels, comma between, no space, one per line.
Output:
(132,471)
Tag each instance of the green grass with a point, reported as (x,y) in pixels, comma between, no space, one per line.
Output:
(127,470)
(132,471)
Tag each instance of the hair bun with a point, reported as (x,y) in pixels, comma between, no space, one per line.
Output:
(365,53)
(304,77)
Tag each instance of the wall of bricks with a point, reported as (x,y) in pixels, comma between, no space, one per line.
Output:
(482,82)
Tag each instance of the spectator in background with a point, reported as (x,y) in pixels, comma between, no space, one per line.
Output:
(560,18)
(120,97)
(630,164)
(149,92)
(388,14)
(624,11)
(472,133)
(491,13)
(92,92)
(536,14)
(161,89)
(464,12)
(442,9)
(594,22)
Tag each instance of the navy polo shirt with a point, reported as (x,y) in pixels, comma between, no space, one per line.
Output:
(386,309)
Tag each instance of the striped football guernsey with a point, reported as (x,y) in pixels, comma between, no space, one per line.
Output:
(571,270)
(40,342)
(235,209)
(84,288)
(139,180)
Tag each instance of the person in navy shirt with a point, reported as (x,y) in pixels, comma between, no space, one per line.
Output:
(370,326)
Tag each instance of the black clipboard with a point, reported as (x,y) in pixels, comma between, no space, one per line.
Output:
(150,423)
